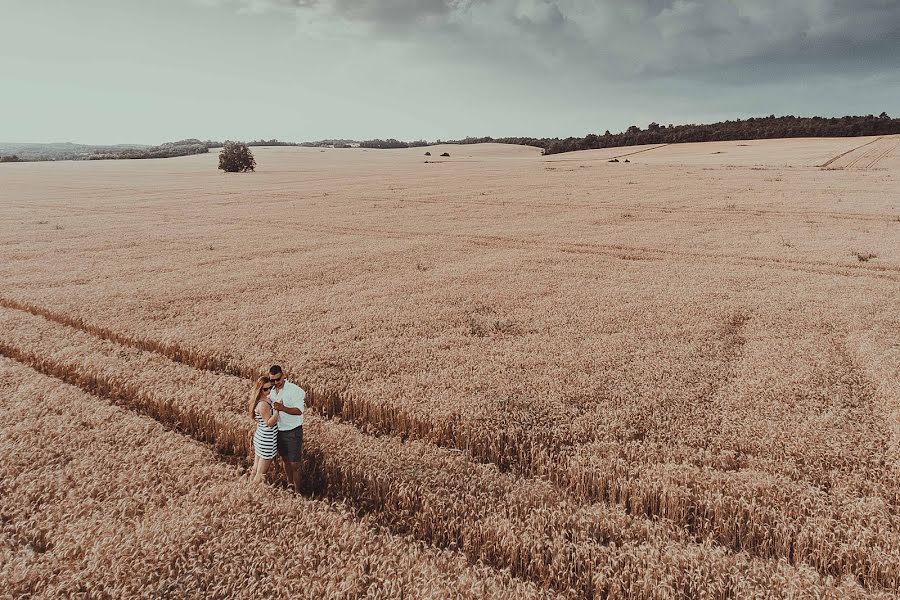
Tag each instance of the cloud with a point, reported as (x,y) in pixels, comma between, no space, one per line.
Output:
(635,38)
(388,15)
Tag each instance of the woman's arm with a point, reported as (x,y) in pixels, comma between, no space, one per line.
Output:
(269,416)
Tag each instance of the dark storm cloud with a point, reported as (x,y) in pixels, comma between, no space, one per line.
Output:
(393,15)
(398,15)
(641,38)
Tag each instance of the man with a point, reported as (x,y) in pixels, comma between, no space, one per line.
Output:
(289,400)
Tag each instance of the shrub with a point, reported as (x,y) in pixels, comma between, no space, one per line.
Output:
(863,256)
(236,157)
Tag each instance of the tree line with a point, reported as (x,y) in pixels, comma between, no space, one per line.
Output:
(166,150)
(740,129)
(754,128)
(391,143)
(69,151)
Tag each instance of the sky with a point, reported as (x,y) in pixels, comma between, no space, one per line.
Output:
(150,71)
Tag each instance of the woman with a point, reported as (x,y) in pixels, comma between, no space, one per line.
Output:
(265,438)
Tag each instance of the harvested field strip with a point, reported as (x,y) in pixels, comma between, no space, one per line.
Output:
(866,156)
(641,151)
(784,522)
(517,525)
(181,523)
(879,157)
(605,158)
(620,251)
(831,161)
(872,155)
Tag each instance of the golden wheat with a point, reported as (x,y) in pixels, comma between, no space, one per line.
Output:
(686,353)
(521,525)
(98,502)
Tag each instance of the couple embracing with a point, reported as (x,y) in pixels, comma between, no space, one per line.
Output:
(277,405)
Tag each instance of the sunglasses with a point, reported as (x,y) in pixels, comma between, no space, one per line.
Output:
(276,380)
(266,388)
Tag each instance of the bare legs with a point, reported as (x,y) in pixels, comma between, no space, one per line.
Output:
(260,466)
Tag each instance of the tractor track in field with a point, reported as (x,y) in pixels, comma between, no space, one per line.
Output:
(361,497)
(831,161)
(182,423)
(605,158)
(185,424)
(627,252)
(878,158)
(863,157)
(677,210)
(331,404)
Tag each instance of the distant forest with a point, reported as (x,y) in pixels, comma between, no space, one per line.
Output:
(771,127)
(392,143)
(747,129)
(273,142)
(69,151)
(741,129)
(167,150)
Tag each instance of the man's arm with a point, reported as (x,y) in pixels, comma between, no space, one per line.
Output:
(300,400)
(288,409)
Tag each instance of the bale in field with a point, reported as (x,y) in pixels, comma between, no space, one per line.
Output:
(428,154)
(447,154)
(614,160)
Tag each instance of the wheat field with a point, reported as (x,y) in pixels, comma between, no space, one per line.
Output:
(672,377)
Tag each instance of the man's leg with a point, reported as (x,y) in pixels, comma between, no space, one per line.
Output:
(284,454)
(289,472)
(297,463)
(293,442)
(291,468)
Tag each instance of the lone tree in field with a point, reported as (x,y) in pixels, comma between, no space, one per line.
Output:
(236,157)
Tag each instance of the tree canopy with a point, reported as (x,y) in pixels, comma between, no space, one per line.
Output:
(236,157)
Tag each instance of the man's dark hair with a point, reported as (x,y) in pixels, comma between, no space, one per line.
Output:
(275,370)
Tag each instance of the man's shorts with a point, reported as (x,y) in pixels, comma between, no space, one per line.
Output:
(290,443)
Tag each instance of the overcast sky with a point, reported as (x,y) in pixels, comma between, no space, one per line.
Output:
(148,71)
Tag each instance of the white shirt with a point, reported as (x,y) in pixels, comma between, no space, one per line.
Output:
(291,395)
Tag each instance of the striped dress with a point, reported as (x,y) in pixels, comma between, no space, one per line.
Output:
(265,439)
